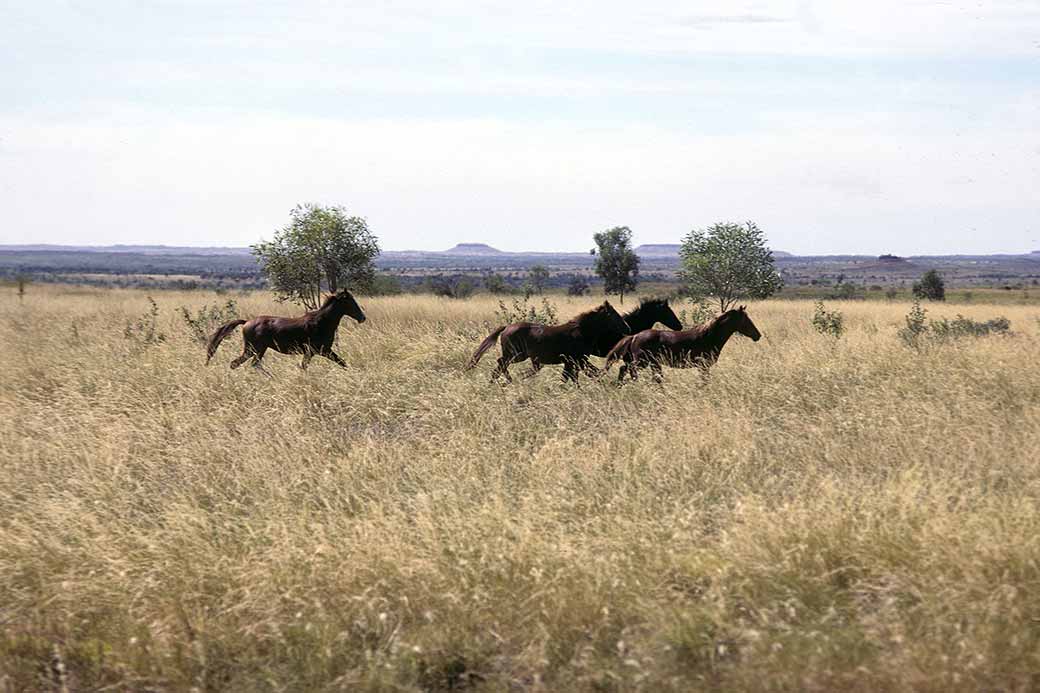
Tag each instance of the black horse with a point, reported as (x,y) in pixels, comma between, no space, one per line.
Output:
(311,333)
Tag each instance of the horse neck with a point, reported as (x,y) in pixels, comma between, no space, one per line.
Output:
(719,332)
(330,313)
(639,319)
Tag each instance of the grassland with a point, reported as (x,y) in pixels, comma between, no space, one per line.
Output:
(822,514)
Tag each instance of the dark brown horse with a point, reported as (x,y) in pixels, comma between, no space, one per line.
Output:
(698,346)
(311,333)
(648,313)
(569,343)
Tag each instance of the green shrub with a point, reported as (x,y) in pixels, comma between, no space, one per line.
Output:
(916,326)
(522,310)
(918,329)
(208,318)
(961,326)
(144,330)
(699,312)
(830,322)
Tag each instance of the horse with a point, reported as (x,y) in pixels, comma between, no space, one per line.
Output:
(648,313)
(698,346)
(311,333)
(569,343)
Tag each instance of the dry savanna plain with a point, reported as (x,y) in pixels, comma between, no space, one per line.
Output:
(820,514)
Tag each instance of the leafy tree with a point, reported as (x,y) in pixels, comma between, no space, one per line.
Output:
(931,286)
(729,262)
(538,277)
(616,262)
(321,247)
(578,286)
(496,284)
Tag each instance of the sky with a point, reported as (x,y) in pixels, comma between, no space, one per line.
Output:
(838,127)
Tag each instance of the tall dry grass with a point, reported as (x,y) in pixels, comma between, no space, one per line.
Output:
(821,514)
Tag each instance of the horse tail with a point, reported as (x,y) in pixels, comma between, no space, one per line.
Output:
(619,351)
(488,342)
(218,337)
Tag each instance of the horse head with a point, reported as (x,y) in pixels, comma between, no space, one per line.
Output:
(664,314)
(612,320)
(346,302)
(744,325)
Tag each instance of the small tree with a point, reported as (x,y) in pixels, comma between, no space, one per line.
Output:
(616,262)
(728,262)
(320,248)
(538,277)
(578,286)
(496,284)
(931,286)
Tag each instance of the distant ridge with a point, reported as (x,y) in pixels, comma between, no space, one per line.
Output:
(672,250)
(658,250)
(473,249)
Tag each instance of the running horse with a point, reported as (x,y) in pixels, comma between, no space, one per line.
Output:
(648,313)
(311,333)
(571,343)
(698,346)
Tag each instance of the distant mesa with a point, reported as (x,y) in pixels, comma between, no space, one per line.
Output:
(473,249)
(658,250)
(782,253)
(891,258)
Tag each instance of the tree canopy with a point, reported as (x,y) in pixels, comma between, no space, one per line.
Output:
(931,286)
(616,262)
(320,248)
(728,262)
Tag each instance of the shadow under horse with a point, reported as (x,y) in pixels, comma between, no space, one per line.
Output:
(698,346)
(571,343)
(312,333)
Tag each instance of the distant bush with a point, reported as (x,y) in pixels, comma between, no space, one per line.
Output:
(208,318)
(961,326)
(919,329)
(451,287)
(845,291)
(931,286)
(828,322)
(144,331)
(916,326)
(496,284)
(579,286)
(522,310)
(384,285)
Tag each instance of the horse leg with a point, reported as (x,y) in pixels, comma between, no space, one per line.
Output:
(655,366)
(334,357)
(533,371)
(247,352)
(257,356)
(588,368)
(502,369)
(621,374)
(570,371)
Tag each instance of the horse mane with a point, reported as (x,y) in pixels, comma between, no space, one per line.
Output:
(644,304)
(592,319)
(709,327)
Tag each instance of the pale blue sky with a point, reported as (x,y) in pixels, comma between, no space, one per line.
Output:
(839,127)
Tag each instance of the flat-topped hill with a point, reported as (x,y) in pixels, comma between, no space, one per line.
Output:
(472,249)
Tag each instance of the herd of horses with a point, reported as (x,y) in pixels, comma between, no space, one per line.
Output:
(601,332)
